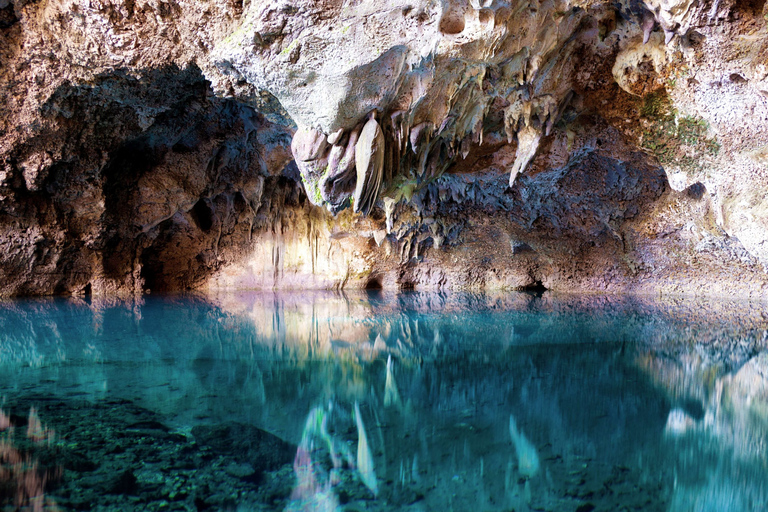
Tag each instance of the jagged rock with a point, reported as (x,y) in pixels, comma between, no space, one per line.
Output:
(674,14)
(589,198)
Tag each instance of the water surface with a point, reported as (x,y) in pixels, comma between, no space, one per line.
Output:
(383,402)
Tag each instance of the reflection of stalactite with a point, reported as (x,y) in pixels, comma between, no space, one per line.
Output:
(527,458)
(314,340)
(277,324)
(365,466)
(391,394)
(20,475)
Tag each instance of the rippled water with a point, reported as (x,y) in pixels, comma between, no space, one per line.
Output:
(383,402)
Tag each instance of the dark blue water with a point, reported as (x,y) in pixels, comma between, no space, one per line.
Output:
(383,402)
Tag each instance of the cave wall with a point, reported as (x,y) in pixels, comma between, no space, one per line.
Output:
(577,145)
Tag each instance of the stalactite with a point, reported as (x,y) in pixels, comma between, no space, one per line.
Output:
(369,162)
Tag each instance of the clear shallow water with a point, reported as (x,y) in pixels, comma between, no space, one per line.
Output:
(383,402)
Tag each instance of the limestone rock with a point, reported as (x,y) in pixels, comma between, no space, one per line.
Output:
(433,65)
(638,66)
(337,183)
(369,162)
(308,144)
(527,143)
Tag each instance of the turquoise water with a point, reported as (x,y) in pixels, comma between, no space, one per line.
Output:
(411,402)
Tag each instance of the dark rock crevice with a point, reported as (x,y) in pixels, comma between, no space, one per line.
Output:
(144,156)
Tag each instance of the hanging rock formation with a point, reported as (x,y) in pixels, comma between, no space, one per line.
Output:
(573,144)
(369,163)
(420,64)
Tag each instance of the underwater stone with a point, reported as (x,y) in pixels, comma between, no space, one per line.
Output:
(246,444)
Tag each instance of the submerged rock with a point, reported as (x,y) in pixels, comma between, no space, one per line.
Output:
(247,444)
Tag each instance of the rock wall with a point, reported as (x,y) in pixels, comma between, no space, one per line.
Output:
(580,145)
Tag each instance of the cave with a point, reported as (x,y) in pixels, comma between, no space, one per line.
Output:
(346,255)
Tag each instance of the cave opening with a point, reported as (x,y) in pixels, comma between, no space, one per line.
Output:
(534,287)
(151,270)
(203,214)
(750,8)
(374,283)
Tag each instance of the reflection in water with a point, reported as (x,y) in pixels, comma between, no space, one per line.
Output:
(718,431)
(393,402)
(314,488)
(364,457)
(23,483)
(527,458)
(391,394)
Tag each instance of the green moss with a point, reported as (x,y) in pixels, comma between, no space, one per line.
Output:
(238,33)
(403,187)
(673,138)
(656,106)
(408,188)
(312,189)
(288,49)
